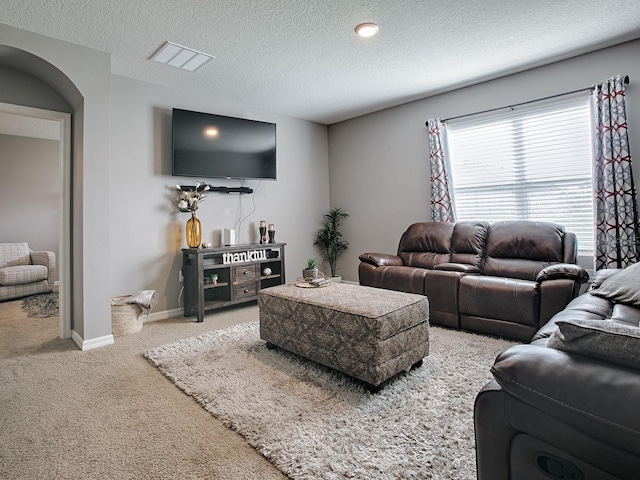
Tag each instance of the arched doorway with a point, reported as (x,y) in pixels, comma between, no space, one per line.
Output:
(34,89)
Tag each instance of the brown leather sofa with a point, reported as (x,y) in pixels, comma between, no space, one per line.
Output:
(507,278)
(555,413)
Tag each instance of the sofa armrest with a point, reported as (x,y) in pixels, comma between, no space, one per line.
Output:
(594,396)
(563,270)
(457,267)
(48,259)
(381,259)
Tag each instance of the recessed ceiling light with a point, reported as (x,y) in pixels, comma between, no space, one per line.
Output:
(182,57)
(367,29)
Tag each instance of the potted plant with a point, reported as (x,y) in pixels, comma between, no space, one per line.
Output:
(329,240)
(310,272)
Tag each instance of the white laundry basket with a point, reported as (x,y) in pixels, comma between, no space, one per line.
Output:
(125,318)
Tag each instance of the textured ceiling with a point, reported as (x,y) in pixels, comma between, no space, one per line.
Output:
(302,58)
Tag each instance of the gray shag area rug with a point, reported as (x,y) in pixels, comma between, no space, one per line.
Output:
(315,423)
(41,306)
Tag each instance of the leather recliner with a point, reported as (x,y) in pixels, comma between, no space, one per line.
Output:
(556,414)
(507,278)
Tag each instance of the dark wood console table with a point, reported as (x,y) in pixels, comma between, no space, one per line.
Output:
(222,276)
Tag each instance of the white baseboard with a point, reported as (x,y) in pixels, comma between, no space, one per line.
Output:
(109,340)
(93,343)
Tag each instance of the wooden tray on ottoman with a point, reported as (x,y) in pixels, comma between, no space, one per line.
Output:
(368,333)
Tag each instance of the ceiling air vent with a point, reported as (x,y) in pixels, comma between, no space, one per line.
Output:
(181,57)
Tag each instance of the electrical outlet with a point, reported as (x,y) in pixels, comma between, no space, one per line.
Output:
(180,277)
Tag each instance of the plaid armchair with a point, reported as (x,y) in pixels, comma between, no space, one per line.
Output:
(24,272)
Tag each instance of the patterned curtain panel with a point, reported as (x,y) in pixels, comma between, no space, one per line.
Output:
(616,215)
(442,206)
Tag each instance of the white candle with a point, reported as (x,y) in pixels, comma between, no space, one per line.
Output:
(263,223)
(272,227)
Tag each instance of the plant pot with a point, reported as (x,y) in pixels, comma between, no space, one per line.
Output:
(310,273)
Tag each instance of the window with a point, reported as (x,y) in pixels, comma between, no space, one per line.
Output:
(532,162)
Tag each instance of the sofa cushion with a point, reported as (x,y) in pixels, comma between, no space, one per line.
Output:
(601,275)
(605,340)
(508,299)
(521,249)
(582,307)
(513,268)
(623,287)
(23,274)
(467,243)
(426,244)
(14,254)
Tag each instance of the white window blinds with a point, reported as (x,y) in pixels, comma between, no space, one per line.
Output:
(531,162)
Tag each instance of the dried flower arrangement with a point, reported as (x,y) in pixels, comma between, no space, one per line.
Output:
(189,200)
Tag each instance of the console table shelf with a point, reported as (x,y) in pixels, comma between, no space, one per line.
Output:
(240,275)
(217,285)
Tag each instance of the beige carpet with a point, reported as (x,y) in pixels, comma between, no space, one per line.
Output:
(107,413)
(315,423)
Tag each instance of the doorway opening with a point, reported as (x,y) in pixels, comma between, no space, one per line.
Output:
(34,118)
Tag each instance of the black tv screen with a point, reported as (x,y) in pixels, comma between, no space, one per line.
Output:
(206,145)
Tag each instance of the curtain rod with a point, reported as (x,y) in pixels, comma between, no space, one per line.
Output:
(626,81)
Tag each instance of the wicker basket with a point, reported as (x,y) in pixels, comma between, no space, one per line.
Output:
(125,318)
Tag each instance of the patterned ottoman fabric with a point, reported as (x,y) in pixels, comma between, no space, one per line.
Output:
(368,333)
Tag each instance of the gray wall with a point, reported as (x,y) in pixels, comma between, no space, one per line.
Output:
(30,191)
(379,167)
(81,77)
(21,88)
(147,233)
(126,235)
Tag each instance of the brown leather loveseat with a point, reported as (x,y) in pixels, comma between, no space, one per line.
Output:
(507,278)
(566,405)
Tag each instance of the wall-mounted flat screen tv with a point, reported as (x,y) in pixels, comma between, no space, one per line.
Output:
(206,145)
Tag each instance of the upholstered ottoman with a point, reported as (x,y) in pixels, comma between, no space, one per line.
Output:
(368,333)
